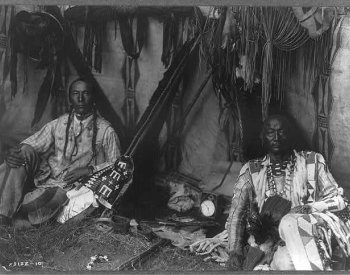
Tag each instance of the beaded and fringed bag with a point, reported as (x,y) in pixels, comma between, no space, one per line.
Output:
(110,184)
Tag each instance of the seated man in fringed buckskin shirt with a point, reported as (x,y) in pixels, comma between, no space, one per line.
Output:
(315,220)
(64,150)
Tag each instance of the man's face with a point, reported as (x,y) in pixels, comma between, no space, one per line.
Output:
(276,136)
(81,98)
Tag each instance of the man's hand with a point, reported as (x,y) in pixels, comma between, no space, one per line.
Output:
(75,174)
(14,158)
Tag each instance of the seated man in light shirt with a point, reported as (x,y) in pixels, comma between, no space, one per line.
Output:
(66,149)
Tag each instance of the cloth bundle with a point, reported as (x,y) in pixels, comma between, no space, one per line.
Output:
(183,198)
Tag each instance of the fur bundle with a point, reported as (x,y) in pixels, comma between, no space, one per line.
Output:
(264,226)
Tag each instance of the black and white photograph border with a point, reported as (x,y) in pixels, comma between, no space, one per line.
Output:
(174,136)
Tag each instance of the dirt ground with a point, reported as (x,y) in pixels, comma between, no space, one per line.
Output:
(69,247)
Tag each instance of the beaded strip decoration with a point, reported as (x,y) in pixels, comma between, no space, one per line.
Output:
(279,169)
(344,214)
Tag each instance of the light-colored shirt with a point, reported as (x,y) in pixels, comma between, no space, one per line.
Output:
(49,143)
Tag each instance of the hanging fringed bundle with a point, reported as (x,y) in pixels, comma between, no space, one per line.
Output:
(249,47)
(220,37)
(281,31)
(177,30)
(94,33)
(99,31)
(315,56)
(88,38)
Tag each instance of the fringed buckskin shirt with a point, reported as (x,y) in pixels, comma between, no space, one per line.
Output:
(49,143)
(311,183)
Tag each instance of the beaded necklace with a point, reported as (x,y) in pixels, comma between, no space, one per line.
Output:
(288,166)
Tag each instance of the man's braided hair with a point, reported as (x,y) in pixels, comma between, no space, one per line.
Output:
(90,84)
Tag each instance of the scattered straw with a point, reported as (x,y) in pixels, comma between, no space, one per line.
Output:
(69,247)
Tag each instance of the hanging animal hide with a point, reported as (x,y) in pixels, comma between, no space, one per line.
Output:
(40,37)
(36,33)
(315,19)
